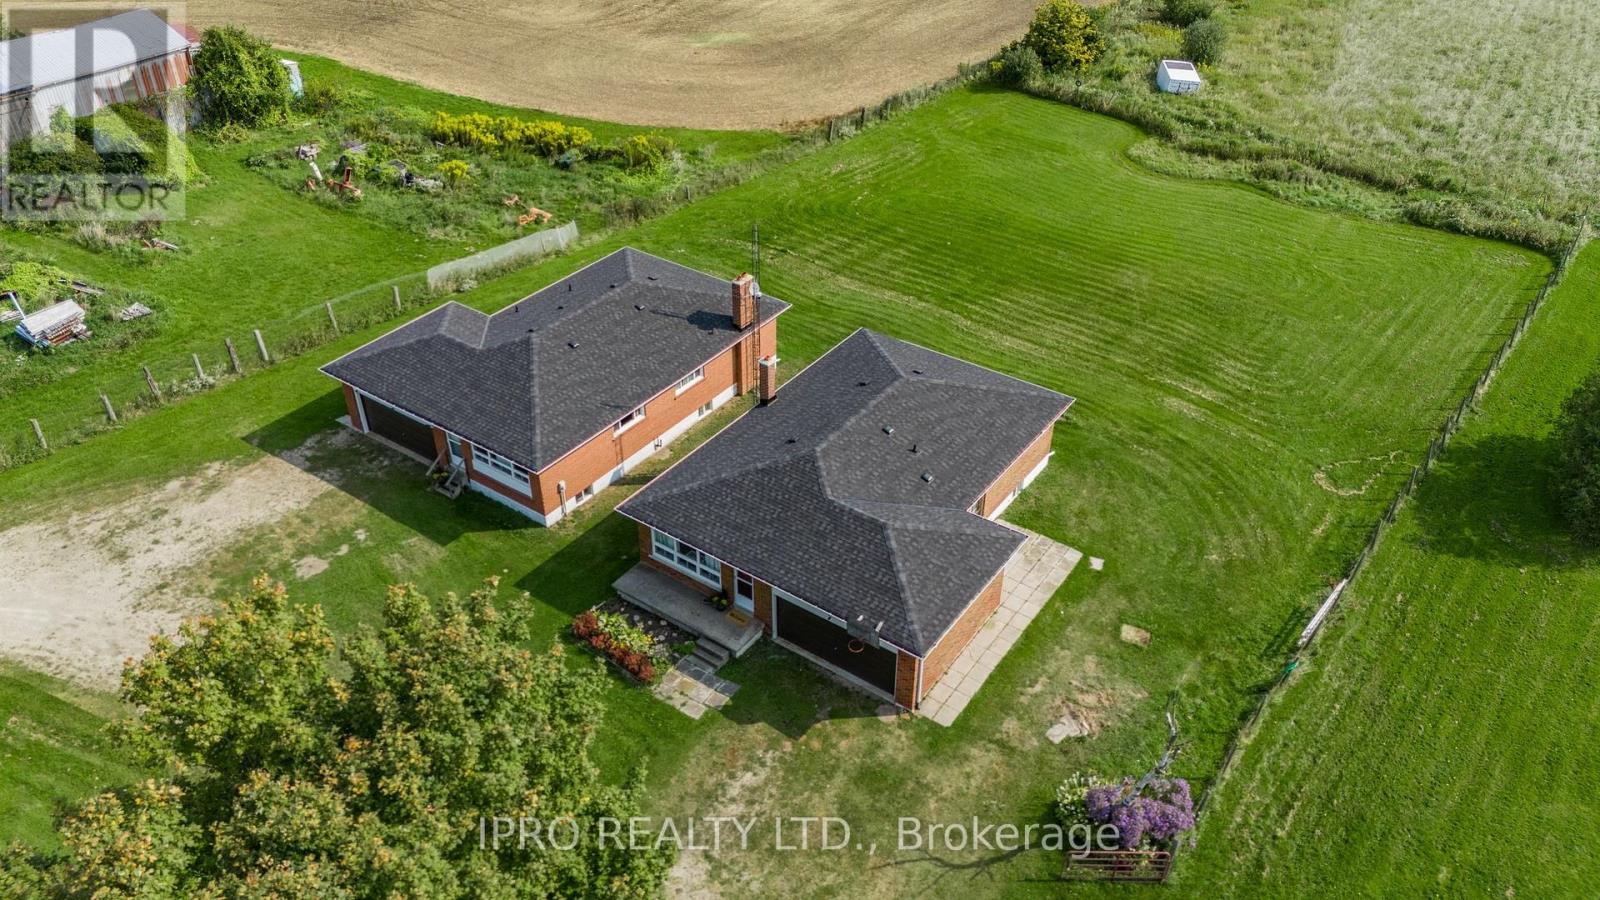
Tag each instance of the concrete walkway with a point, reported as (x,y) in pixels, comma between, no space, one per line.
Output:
(1033,574)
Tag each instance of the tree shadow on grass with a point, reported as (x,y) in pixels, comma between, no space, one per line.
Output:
(311,439)
(1491,499)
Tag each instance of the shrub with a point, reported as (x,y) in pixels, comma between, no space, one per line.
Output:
(1577,445)
(55,153)
(1070,793)
(612,634)
(478,131)
(238,79)
(1159,815)
(646,151)
(1064,36)
(1018,66)
(129,141)
(33,281)
(1184,13)
(1203,42)
(320,98)
(455,172)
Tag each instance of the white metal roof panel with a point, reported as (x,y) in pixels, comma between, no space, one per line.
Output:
(55,57)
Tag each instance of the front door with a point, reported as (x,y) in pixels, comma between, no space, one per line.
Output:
(744,591)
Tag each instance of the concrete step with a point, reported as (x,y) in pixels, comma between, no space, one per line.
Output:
(712,653)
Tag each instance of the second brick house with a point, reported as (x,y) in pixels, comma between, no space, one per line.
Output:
(852,516)
(553,398)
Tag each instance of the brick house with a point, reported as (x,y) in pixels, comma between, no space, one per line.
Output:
(852,516)
(548,401)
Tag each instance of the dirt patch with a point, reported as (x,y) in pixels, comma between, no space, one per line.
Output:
(85,591)
(1326,477)
(697,63)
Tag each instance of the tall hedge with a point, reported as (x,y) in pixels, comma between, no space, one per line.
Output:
(239,79)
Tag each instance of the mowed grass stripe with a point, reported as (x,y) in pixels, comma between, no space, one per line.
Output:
(1439,741)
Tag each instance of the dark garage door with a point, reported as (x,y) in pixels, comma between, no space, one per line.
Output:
(399,428)
(831,644)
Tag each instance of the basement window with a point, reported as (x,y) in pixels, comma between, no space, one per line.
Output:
(628,421)
(691,379)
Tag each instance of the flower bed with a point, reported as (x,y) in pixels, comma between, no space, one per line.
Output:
(628,644)
(1157,818)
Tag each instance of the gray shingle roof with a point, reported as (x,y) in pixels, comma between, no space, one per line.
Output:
(821,493)
(540,377)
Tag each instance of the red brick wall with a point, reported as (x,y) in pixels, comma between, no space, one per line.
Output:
(1014,473)
(764,603)
(961,633)
(905,680)
(605,451)
(352,407)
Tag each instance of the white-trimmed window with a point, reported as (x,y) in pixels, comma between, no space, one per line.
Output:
(690,380)
(628,421)
(498,467)
(696,564)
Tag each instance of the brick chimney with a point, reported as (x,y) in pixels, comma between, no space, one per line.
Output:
(769,380)
(744,301)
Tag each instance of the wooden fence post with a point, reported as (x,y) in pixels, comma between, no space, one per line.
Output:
(397,298)
(233,355)
(111,411)
(262,346)
(39,433)
(155,389)
(331,320)
(199,370)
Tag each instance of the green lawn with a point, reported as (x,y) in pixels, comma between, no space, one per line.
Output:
(1440,741)
(54,751)
(1252,380)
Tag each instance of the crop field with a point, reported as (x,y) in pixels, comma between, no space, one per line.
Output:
(703,63)
(1246,404)
(1439,742)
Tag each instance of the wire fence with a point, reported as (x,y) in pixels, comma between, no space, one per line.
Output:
(1447,430)
(132,386)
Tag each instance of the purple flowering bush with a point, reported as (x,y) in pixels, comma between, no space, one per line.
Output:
(1161,813)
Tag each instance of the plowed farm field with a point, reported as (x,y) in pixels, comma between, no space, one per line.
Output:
(695,63)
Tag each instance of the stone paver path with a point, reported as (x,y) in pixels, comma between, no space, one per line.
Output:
(1033,574)
(692,687)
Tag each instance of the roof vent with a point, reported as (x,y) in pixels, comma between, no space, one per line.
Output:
(861,384)
(561,306)
(916,371)
(612,288)
(927,477)
(789,441)
(572,345)
(914,449)
(639,307)
(569,286)
(888,429)
(650,278)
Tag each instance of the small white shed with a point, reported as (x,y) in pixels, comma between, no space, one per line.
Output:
(1177,76)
